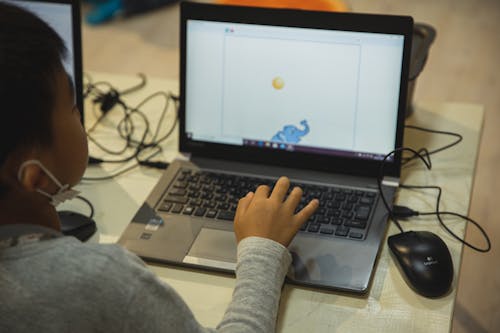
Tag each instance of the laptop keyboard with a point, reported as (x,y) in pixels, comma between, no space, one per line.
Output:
(343,212)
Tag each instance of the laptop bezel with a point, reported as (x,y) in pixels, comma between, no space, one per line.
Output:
(389,24)
(77,47)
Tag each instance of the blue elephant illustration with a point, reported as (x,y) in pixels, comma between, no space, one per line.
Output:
(291,133)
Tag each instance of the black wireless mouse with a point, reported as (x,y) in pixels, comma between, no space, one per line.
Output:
(78,225)
(425,261)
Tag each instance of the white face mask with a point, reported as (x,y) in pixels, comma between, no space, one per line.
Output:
(64,193)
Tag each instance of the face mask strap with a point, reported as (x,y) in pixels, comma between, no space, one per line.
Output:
(63,193)
(36,162)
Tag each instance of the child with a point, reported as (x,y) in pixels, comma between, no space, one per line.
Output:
(53,283)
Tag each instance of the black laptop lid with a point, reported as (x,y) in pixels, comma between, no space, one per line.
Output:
(64,17)
(312,90)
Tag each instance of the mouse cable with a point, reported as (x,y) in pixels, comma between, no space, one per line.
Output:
(88,203)
(458,137)
(439,214)
(405,212)
(422,154)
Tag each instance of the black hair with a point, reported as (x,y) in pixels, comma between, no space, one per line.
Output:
(31,54)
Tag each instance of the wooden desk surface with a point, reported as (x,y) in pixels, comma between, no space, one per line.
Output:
(390,306)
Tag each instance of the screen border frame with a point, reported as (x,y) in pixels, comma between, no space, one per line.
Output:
(76,28)
(389,24)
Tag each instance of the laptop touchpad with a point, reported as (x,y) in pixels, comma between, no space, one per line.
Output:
(213,248)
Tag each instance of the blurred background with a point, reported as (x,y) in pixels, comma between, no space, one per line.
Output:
(462,66)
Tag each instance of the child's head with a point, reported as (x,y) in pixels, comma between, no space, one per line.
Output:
(38,116)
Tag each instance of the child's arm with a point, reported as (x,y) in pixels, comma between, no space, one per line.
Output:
(263,260)
(264,225)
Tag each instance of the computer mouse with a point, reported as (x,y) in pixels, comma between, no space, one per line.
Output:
(425,261)
(78,225)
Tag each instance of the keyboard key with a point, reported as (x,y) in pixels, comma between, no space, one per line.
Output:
(209,204)
(323,219)
(347,206)
(166,206)
(321,211)
(356,235)
(326,230)
(366,200)
(334,204)
(175,199)
(207,196)
(342,231)
(180,184)
(178,192)
(188,210)
(340,197)
(336,213)
(196,202)
(200,211)
(362,213)
(355,224)
(211,213)
(347,214)
(194,188)
(177,208)
(312,219)
(353,198)
(223,206)
(337,221)
(313,227)
(225,215)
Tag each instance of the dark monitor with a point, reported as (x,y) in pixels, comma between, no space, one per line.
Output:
(64,17)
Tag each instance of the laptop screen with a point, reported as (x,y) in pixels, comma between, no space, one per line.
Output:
(64,18)
(318,91)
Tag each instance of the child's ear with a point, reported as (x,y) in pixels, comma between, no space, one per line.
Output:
(33,178)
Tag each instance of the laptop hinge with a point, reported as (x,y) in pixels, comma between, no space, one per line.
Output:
(390,181)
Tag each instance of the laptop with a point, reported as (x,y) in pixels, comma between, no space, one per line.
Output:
(64,17)
(316,96)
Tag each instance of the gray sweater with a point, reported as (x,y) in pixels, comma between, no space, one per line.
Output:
(63,285)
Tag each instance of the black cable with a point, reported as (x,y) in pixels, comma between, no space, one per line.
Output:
(88,203)
(137,87)
(405,212)
(126,127)
(438,213)
(121,172)
(427,163)
(423,129)
(92,86)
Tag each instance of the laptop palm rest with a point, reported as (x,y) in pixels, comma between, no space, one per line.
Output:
(213,248)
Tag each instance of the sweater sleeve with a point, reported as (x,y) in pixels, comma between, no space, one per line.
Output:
(261,268)
(260,272)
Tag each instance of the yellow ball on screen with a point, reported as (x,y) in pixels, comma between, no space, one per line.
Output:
(278,83)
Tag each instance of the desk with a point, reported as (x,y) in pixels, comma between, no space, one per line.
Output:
(390,306)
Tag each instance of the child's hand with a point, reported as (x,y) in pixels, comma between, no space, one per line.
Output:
(271,216)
